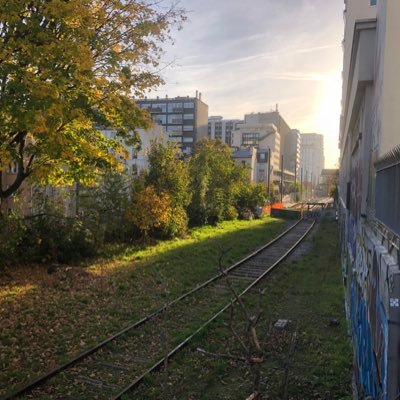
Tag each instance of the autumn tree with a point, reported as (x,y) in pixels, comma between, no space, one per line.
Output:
(67,67)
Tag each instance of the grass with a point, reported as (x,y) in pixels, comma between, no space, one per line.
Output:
(46,319)
(308,292)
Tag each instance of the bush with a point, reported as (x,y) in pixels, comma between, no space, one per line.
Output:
(54,238)
(12,232)
(249,197)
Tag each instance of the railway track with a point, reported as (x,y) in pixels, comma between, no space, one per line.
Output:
(118,364)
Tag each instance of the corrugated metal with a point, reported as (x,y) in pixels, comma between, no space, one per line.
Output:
(387,204)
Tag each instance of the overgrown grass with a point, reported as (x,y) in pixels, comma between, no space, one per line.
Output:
(309,294)
(45,319)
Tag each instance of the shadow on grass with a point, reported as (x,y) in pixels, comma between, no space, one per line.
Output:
(60,317)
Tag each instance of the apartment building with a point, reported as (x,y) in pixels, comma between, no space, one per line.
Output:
(369,192)
(222,129)
(312,157)
(185,119)
(137,160)
(272,117)
(292,151)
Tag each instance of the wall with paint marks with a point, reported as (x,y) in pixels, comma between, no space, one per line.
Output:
(369,248)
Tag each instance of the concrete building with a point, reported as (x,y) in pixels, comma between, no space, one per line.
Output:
(369,192)
(264,138)
(292,151)
(272,117)
(185,119)
(222,129)
(248,158)
(138,160)
(312,157)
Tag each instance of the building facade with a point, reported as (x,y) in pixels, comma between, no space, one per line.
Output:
(137,160)
(222,129)
(369,192)
(292,151)
(312,157)
(185,119)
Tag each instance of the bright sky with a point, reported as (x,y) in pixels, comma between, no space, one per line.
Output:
(246,56)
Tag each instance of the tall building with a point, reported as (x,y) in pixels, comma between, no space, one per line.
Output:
(222,129)
(264,138)
(312,157)
(292,151)
(272,117)
(185,119)
(369,192)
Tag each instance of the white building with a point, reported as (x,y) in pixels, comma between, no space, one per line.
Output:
(312,157)
(222,129)
(369,192)
(138,160)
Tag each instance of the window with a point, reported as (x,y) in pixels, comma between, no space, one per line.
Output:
(373,2)
(250,139)
(175,129)
(191,116)
(175,107)
(188,105)
(160,119)
(188,128)
(159,107)
(188,140)
(175,119)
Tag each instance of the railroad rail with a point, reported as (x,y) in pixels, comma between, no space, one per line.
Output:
(116,366)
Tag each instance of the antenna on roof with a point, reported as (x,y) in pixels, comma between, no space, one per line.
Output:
(277,107)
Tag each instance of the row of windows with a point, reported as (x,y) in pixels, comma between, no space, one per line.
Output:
(163,107)
(173,118)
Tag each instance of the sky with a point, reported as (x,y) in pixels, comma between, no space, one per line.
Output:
(248,56)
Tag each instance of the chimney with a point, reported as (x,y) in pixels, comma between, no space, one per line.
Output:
(197,94)
(158,97)
(277,107)
(200,96)
(166,96)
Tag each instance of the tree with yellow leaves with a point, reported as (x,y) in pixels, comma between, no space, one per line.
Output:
(67,67)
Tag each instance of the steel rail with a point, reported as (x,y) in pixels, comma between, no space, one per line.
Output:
(45,377)
(181,345)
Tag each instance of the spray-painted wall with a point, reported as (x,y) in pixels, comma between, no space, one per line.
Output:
(370,251)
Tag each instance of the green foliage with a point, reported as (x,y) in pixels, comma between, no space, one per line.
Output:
(250,197)
(215,182)
(168,173)
(103,208)
(12,233)
(52,237)
(67,67)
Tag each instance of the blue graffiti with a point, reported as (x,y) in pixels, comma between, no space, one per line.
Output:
(371,378)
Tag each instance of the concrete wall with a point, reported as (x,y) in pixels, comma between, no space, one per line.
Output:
(370,255)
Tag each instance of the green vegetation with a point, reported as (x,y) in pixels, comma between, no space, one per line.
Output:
(47,318)
(309,294)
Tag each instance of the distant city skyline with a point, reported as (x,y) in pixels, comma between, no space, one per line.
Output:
(248,59)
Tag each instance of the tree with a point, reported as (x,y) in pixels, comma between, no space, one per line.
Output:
(149,210)
(250,196)
(215,182)
(169,173)
(67,67)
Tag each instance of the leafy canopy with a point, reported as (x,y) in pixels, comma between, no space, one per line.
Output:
(67,67)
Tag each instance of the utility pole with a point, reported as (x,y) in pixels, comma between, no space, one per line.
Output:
(269,175)
(301,184)
(295,181)
(282,179)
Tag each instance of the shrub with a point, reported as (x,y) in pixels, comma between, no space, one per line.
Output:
(12,232)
